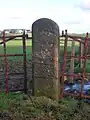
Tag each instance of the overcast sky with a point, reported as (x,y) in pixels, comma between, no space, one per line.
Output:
(73,15)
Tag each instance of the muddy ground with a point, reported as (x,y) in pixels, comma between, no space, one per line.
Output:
(15,75)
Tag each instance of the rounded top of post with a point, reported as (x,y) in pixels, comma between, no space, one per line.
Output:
(87,34)
(62,33)
(66,31)
(44,20)
(46,25)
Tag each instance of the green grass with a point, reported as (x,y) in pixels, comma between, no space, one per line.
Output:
(19,106)
(5,99)
(16,47)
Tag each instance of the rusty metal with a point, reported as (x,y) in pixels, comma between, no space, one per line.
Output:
(24,62)
(77,57)
(6,62)
(9,38)
(14,36)
(64,66)
(62,93)
(84,57)
(76,95)
(84,67)
(76,37)
(5,55)
(81,50)
(74,75)
(72,94)
(71,70)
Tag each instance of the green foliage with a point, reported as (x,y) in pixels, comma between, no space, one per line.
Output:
(22,107)
(78,70)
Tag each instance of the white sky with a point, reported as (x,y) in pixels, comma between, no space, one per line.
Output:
(73,15)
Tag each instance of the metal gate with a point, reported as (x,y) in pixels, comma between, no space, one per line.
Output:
(5,55)
(82,41)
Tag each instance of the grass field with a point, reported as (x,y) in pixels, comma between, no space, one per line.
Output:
(16,47)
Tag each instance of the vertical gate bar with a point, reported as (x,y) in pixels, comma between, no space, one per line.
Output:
(80,59)
(6,61)
(81,52)
(84,67)
(24,63)
(64,65)
(71,71)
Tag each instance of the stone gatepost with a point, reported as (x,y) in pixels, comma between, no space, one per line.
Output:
(45,58)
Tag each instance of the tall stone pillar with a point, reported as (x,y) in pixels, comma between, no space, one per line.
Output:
(45,58)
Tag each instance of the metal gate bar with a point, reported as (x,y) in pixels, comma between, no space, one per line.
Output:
(6,61)
(24,62)
(84,67)
(85,57)
(64,65)
(5,55)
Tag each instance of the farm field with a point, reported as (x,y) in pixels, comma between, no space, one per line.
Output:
(16,47)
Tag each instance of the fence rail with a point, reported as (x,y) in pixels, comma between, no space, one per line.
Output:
(85,56)
(5,56)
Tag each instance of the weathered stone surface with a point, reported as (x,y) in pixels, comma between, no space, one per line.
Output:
(45,56)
